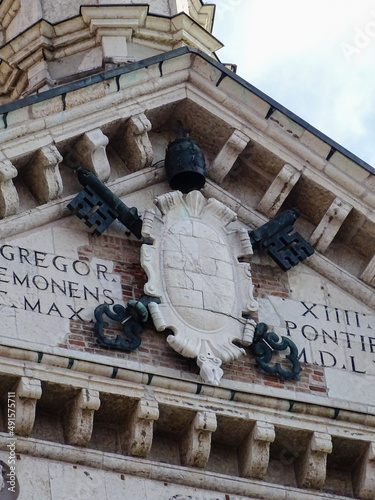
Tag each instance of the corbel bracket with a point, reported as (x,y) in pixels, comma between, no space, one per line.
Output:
(364,474)
(311,469)
(254,452)
(9,200)
(137,439)
(79,417)
(42,175)
(195,445)
(91,151)
(28,391)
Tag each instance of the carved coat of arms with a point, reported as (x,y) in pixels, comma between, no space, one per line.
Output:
(193,268)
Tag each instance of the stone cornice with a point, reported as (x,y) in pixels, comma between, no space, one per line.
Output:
(47,42)
(230,414)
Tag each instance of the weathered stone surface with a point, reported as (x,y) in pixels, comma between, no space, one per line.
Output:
(42,175)
(199,281)
(28,391)
(195,444)
(79,417)
(254,452)
(9,199)
(135,147)
(277,193)
(225,160)
(138,429)
(330,224)
(311,467)
(364,476)
(368,274)
(91,150)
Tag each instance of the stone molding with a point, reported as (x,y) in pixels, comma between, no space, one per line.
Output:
(201,13)
(354,433)
(140,467)
(26,58)
(8,11)
(106,102)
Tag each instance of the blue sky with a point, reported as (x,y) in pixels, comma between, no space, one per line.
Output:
(315,57)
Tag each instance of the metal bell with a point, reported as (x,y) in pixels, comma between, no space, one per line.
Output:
(185,164)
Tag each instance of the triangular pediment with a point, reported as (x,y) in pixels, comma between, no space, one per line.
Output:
(120,125)
(58,281)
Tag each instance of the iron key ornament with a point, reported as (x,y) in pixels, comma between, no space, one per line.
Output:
(265,344)
(99,207)
(286,249)
(131,317)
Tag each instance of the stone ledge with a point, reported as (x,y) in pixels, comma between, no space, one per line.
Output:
(161,472)
(132,380)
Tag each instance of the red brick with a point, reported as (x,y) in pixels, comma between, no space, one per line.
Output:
(318,389)
(77,342)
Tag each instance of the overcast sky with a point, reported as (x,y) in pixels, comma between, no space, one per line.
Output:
(315,57)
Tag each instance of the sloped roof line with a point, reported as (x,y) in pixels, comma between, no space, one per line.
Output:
(159,59)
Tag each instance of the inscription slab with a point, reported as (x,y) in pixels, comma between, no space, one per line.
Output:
(54,287)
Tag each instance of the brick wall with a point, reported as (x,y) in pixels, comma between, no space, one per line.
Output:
(154,349)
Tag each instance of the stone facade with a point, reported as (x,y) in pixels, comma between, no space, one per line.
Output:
(103,86)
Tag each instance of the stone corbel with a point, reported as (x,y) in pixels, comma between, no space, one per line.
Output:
(91,150)
(79,417)
(278,191)
(328,227)
(42,174)
(195,445)
(311,467)
(137,438)
(226,158)
(364,475)
(254,452)
(9,200)
(8,10)
(368,274)
(136,149)
(28,391)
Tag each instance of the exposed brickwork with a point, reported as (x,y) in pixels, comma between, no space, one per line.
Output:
(269,280)
(154,349)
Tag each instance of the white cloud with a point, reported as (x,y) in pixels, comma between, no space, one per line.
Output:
(316,58)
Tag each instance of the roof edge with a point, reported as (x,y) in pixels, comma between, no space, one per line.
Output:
(159,59)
